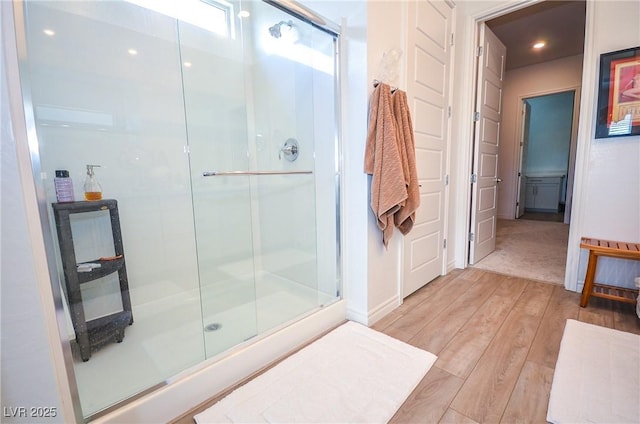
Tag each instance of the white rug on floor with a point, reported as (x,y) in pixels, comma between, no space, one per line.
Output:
(351,375)
(597,376)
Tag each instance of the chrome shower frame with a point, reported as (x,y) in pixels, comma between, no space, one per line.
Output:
(18,8)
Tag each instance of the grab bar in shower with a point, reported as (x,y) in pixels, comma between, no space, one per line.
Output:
(240,173)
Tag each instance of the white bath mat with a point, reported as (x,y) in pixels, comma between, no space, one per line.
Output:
(597,376)
(351,375)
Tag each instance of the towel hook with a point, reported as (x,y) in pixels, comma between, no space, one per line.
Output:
(389,67)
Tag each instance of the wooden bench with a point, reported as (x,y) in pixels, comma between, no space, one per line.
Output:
(613,249)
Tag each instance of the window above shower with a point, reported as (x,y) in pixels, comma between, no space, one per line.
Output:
(216,16)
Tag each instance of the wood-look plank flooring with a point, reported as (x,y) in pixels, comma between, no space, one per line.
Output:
(497,339)
(495,360)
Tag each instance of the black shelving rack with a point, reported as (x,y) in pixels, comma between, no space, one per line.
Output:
(95,333)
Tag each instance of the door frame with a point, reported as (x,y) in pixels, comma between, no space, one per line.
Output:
(575,116)
(524,115)
(583,143)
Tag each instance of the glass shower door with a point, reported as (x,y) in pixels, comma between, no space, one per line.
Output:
(292,72)
(215,129)
(106,89)
(260,112)
(216,115)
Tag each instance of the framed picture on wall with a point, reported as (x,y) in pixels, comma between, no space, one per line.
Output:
(619,94)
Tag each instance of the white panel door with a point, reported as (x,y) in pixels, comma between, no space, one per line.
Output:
(484,200)
(429,40)
(522,179)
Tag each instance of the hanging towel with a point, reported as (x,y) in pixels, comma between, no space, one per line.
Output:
(383,162)
(406,216)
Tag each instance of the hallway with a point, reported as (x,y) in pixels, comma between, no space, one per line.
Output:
(529,249)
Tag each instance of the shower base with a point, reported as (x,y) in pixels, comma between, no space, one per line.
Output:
(169,335)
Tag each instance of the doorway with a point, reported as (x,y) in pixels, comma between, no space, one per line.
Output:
(528,77)
(547,156)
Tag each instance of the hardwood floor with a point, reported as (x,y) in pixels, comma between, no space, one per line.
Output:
(497,339)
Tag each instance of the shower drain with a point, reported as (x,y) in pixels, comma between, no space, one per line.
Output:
(212,327)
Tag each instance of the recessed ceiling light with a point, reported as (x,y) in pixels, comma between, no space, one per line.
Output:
(49,32)
(243,14)
(187,64)
(132,52)
(539,45)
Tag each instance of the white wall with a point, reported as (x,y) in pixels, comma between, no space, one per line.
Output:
(373,285)
(371,272)
(384,264)
(558,75)
(609,202)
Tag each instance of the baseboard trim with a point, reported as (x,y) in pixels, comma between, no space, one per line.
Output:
(451,266)
(384,309)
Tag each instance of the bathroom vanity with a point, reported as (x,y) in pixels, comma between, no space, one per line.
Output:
(543,193)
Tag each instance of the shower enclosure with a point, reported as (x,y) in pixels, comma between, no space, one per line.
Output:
(215,128)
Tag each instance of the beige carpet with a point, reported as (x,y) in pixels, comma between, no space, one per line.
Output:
(529,249)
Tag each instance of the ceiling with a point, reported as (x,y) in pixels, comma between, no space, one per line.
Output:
(560,24)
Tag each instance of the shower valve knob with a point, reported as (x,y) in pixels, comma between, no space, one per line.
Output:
(289,150)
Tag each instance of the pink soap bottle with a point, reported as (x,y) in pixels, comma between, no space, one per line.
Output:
(64,186)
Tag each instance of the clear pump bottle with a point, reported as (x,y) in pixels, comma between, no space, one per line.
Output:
(92,190)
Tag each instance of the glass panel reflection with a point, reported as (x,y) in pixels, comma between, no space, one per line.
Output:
(157,99)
